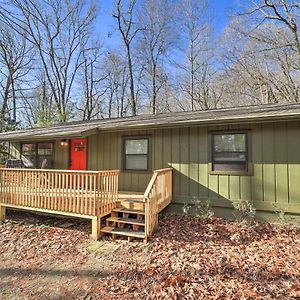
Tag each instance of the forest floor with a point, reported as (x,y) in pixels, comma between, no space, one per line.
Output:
(53,258)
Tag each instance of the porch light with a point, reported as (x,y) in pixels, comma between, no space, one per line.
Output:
(64,143)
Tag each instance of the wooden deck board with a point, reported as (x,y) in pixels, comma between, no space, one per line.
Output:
(130,195)
(123,232)
(129,211)
(48,211)
(126,221)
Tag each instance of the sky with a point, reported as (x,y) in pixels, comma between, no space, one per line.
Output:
(106,24)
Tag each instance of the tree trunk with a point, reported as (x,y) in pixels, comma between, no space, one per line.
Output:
(5,98)
(154,92)
(132,94)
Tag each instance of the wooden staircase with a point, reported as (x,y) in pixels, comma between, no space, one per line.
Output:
(136,215)
(127,220)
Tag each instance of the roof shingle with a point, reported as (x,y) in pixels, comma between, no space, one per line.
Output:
(234,115)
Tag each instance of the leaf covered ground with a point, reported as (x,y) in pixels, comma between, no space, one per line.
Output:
(53,258)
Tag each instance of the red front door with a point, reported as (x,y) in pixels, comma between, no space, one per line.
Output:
(78,152)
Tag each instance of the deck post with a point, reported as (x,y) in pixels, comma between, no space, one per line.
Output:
(2,213)
(95,228)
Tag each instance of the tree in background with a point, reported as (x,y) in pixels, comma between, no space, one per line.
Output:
(128,28)
(116,84)
(15,64)
(58,31)
(168,57)
(286,14)
(91,89)
(157,37)
(38,105)
(197,70)
(261,57)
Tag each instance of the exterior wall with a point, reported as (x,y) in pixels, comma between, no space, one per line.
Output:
(60,155)
(105,151)
(274,183)
(15,150)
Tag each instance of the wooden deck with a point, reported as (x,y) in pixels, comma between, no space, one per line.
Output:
(87,194)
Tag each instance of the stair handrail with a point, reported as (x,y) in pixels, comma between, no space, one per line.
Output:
(150,185)
(151,198)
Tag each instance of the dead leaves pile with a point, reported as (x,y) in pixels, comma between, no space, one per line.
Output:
(214,259)
(187,258)
(36,241)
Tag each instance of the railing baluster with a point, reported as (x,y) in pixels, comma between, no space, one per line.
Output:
(71,183)
(43,195)
(77,178)
(94,198)
(86,195)
(34,194)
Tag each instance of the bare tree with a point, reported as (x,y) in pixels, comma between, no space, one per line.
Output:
(128,29)
(285,12)
(195,23)
(38,105)
(157,38)
(117,81)
(197,72)
(91,83)
(260,54)
(15,63)
(58,30)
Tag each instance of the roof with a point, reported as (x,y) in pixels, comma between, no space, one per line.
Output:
(236,115)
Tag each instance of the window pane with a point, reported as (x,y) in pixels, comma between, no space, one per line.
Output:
(136,162)
(28,149)
(28,161)
(79,146)
(28,155)
(44,162)
(136,146)
(37,155)
(45,149)
(230,152)
(230,157)
(230,142)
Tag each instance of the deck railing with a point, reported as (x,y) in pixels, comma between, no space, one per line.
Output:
(157,196)
(91,193)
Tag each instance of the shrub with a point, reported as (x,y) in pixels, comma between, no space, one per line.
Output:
(283,218)
(199,208)
(244,211)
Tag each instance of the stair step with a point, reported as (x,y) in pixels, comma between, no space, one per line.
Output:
(126,221)
(129,211)
(124,232)
(123,196)
(134,200)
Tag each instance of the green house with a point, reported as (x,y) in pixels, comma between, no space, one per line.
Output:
(224,155)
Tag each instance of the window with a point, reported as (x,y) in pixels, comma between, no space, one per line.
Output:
(44,155)
(136,154)
(37,155)
(45,149)
(230,152)
(79,146)
(29,155)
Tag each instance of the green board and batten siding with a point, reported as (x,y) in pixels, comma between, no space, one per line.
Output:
(275,155)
